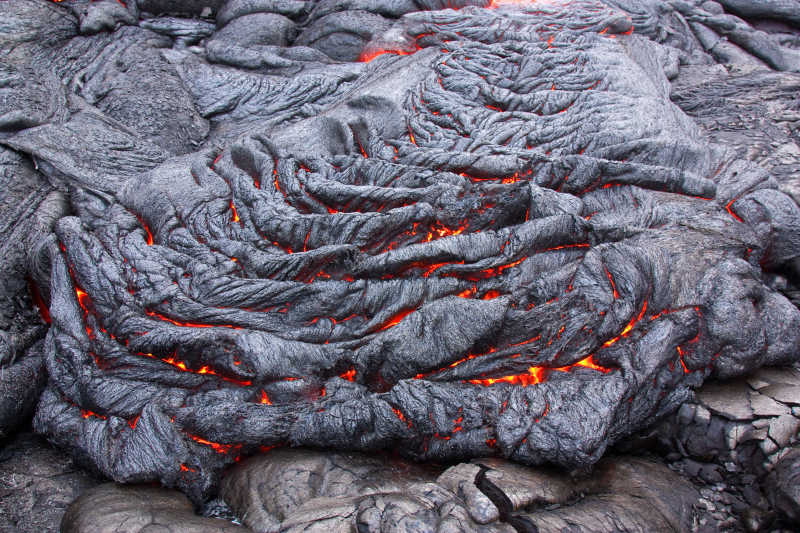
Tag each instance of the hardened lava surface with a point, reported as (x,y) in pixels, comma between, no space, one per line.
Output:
(473,232)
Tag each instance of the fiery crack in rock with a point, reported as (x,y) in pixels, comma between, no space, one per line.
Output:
(493,234)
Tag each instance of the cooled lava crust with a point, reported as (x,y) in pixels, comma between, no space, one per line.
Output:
(492,234)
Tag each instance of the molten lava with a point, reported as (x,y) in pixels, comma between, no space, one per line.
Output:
(366,57)
(628,328)
(36,296)
(396,319)
(163,318)
(217,447)
(534,376)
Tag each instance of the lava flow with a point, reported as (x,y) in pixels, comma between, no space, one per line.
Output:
(381,255)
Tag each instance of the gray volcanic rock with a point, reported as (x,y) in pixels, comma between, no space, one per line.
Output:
(783,485)
(286,485)
(747,423)
(110,508)
(494,234)
(179,7)
(259,29)
(21,383)
(37,483)
(739,453)
(620,495)
(28,209)
(303,490)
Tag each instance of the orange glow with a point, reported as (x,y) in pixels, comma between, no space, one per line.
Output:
(500,269)
(366,57)
(400,416)
(499,3)
(179,364)
(439,230)
(36,296)
(396,319)
(205,370)
(84,301)
(730,211)
(85,413)
(219,448)
(83,298)
(264,398)
(350,375)
(146,230)
(187,324)
(490,272)
(628,328)
(680,356)
(534,339)
(613,285)
(235,214)
(534,376)
(411,136)
(133,421)
(564,246)
(490,295)
(457,362)
(358,142)
(587,362)
(468,293)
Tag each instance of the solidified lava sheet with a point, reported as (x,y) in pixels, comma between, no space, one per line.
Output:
(470,230)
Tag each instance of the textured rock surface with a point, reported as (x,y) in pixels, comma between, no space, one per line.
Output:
(311,491)
(111,508)
(730,439)
(493,234)
(28,209)
(783,485)
(37,483)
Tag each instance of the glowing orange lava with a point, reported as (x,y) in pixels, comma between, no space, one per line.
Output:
(400,416)
(219,448)
(730,211)
(36,296)
(587,362)
(628,328)
(350,375)
(159,316)
(235,214)
(366,57)
(85,413)
(146,230)
(439,230)
(534,376)
(396,319)
(500,3)
(205,370)
(613,285)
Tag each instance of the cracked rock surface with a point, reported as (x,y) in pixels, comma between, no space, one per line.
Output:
(452,229)
(737,441)
(37,484)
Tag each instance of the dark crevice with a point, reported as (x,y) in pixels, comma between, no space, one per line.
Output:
(521,524)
